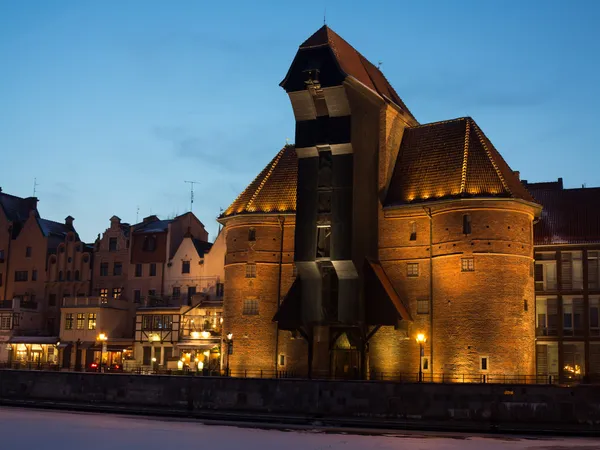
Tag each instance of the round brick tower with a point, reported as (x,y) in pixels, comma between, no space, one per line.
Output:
(259,271)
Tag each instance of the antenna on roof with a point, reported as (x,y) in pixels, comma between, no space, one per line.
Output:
(325,16)
(379,64)
(35,185)
(137,215)
(192,183)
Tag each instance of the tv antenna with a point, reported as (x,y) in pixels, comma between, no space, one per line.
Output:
(379,64)
(35,185)
(192,183)
(137,215)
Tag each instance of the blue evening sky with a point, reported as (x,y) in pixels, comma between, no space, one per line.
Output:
(113,104)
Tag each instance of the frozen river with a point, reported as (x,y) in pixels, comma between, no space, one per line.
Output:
(50,430)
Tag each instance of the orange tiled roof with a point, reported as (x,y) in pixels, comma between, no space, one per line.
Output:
(273,190)
(354,64)
(451,159)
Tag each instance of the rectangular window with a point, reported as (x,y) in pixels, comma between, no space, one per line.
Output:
(151,292)
(80,321)
(137,296)
(176,292)
(282,360)
(152,269)
(594,316)
(485,364)
(34,275)
(147,356)
(157,323)
(167,322)
(467,224)
(250,307)
(220,289)
(422,306)
(104,293)
(573,360)
(594,270)
(104,269)
(251,235)
(250,270)
(425,364)
(69,321)
(185,267)
(412,269)
(28,252)
(413,231)
(118,269)
(92,321)
(146,323)
(5,322)
(21,275)
(467,264)
(52,300)
(138,270)
(112,244)
(546,313)
(572,316)
(323,241)
(571,270)
(116,293)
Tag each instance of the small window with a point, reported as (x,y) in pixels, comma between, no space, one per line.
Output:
(69,321)
(104,269)
(137,296)
(250,307)
(176,292)
(525,305)
(60,275)
(68,275)
(413,231)
(146,322)
(33,275)
(112,244)
(412,269)
(116,293)
(425,364)
(92,321)
(117,269)
(485,363)
(138,270)
(250,270)
(282,360)
(21,275)
(77,275)
(104,293)
(323,241)
(467,224)
(80,321)
(149,244)
(467,264)
(422,306)
(28,252)
(252,234)
(151,292)
(185,267)
(152,269)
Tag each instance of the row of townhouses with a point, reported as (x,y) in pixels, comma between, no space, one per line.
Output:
(149,294)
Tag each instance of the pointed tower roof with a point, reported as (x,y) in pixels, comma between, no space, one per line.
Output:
(273,190)
(353,64)
(451,159)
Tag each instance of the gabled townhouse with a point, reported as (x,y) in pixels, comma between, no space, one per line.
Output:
(111,261)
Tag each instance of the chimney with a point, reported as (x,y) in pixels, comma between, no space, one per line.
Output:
(69,221)
(517,174)
(560,183)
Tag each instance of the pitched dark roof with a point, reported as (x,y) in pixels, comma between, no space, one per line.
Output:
(451,159)
(273,190)
(51,228)
(353,64)
(202,247)
(569,216)
(16,208)
(154,226)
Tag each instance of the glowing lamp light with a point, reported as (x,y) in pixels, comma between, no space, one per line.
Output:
(153,360)
(205,334)
(195,335)
(229,336)
(207,353)
(180,365)
(102,337)
(200,365)
(420,338)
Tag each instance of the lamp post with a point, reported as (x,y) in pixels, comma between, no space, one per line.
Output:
(229,350)
(102,337)
(421,340)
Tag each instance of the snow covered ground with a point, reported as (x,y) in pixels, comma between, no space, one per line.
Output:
(50,430)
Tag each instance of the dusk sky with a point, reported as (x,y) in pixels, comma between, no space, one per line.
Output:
(113,104)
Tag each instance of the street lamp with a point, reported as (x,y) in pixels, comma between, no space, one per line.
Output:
(102,337)
(229,350)
(421,340)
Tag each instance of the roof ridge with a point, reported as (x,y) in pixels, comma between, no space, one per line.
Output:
(274,163)
(457,119)
(482,140)
(463,179)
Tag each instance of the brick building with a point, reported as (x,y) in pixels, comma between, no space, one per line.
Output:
(374,229)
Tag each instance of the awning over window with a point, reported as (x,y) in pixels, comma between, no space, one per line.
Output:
(383,305)
(289,316)
(33,340)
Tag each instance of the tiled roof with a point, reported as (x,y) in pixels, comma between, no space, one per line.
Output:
(354,64)
(273,190)
(569,216)
(51,228)
(156,226)
(451,159)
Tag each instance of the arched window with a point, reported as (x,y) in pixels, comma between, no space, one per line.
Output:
(413,231)
(60,275)
(467,224)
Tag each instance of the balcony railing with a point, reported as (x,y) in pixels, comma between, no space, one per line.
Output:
(17,303)
(106,302)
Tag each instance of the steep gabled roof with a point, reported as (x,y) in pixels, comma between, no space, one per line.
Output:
(451,159)
(16,208)
(202,247)
(570,216)
(273,190)
(353,64)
